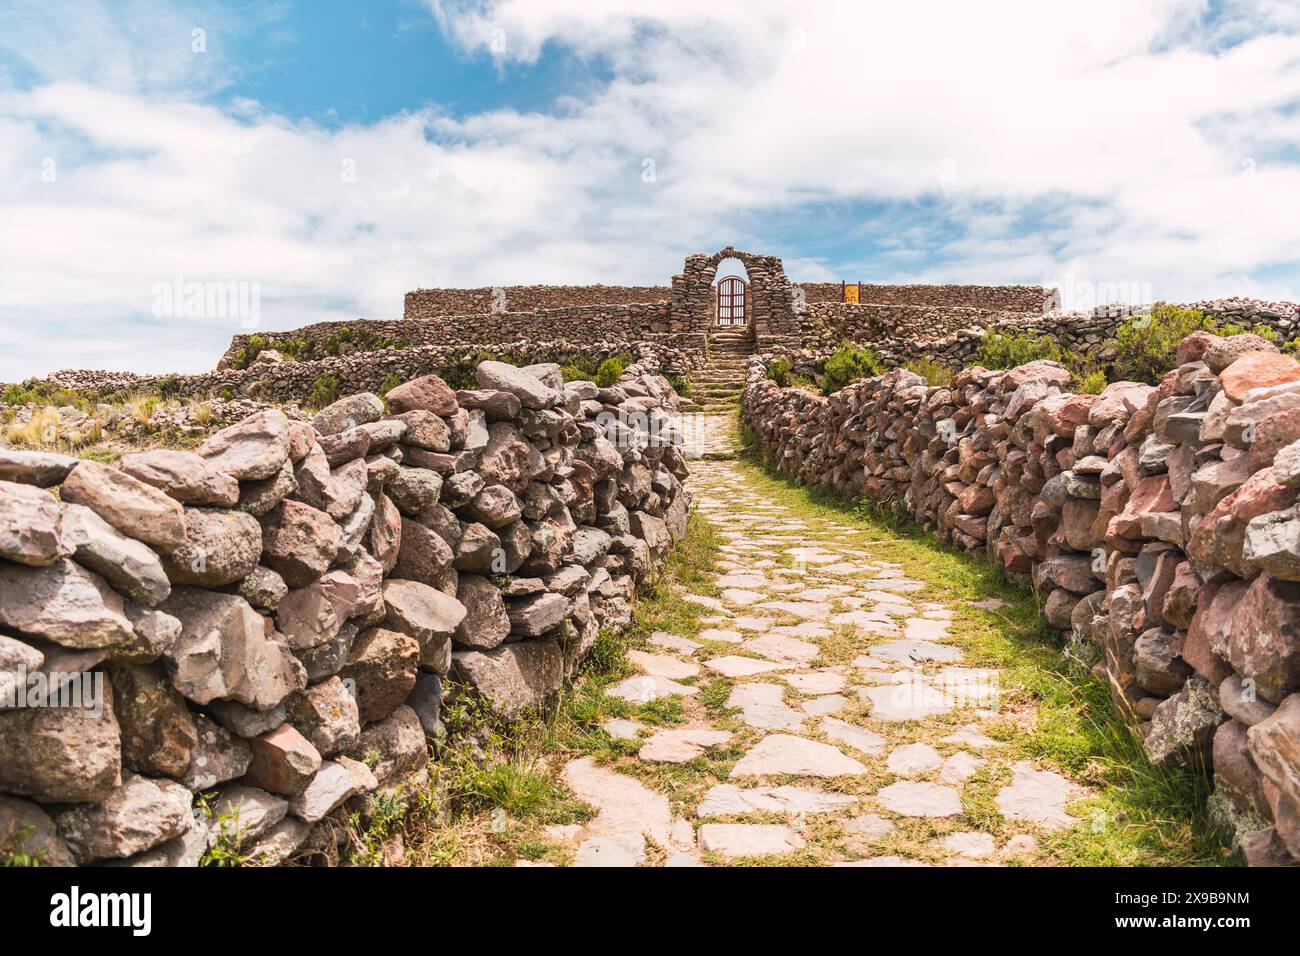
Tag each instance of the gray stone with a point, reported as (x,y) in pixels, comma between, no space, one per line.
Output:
(31,527)
(137,816)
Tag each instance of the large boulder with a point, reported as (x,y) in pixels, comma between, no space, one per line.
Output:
(299,542)
(531,391)
(137,510)
(1275,746)
(224,651)
(349,412)
(284,761)
(381,668)
(486,623)
(41,468)
(254,448)
(31,527)
(138,815)
(1262,637)
(63,603)
(220,548)
(131,566)
(509,458)
(61,754)
(159,735)
(327,715)
(184,476)
(427,393)
(27,831)
(514,677)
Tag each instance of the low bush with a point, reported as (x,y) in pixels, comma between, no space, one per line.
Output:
(324,391)
(609,372)
(778,370)
(998,350)
(850,363)
(934,373)
(1146,346)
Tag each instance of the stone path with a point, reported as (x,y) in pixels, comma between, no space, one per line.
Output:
(830,715)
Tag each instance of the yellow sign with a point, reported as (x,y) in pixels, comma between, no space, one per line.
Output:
(851,293)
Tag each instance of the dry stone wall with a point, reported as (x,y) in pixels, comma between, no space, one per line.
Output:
(282,381)
(577,324)
(269,624)
(995,298)
(425,304)
(1158,524)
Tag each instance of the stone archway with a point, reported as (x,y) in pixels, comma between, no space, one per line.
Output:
(773,320)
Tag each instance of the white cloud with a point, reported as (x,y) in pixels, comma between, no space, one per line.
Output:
(1114,140)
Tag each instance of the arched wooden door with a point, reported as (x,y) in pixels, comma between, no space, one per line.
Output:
(731,301)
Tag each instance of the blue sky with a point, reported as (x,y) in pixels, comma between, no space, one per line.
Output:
(331,156)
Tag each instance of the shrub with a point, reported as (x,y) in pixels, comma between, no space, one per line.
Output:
(324,391)
(778,370)
(934,373)
(850,364)
(680,385)
(1146,346)
(169,386)
(572,373)
(390,382)
(1091,382)
(609,372)
(999,350)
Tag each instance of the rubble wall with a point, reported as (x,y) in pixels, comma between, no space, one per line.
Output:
(267,627)
(1158,525)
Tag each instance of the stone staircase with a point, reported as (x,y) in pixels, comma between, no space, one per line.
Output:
(717,387)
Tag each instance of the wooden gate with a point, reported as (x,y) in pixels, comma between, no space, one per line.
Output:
(731,301)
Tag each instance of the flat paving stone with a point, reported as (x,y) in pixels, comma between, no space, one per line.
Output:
(681,745)
(661,665)
(1039,796)
(808,610)
(970,844)
(741,580)
(914,700)
(970,736)
(869,827)
(916,651)
(911,799)
(784,753)
(859,738)
(749,839)
(912,760)
(735,666)
(712,603)
(739,597)
(783,650)
(988,604)
(682,645)
(960,766)
(923,629)
(815,682)
(721,635)
(803,629)
(751,623)
(627,813)
(643,689)
(620,728)
(763,706)
(726,799)
(826,704)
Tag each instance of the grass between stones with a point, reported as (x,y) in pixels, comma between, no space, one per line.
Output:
(1053,710)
